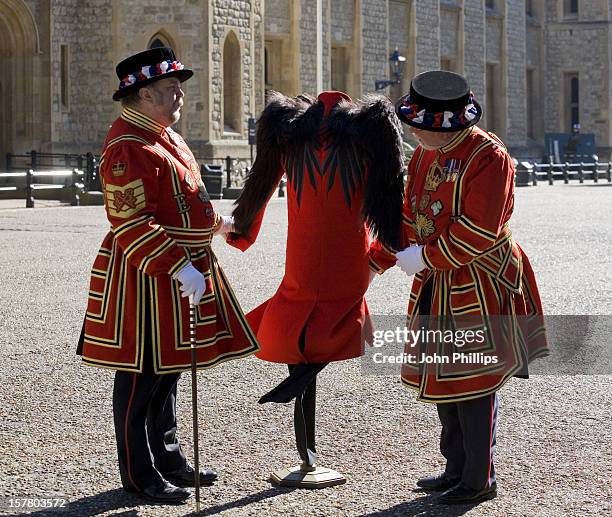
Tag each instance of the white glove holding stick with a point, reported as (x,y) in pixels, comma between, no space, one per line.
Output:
(192,283)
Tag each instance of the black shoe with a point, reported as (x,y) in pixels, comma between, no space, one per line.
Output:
(186,476)
(437,483)
(464,495)
(162,492)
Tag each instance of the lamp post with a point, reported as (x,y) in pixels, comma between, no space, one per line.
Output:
(397,70)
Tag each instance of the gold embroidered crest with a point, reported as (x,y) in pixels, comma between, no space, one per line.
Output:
(435,176)
(118,169)
(423,226)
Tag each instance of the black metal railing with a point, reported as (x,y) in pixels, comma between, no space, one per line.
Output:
(235,170)
(528,173)
(29,174)
(30,184)
(39,161)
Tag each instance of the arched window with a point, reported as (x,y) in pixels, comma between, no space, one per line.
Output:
(232,85)
(161,39)
(156,43)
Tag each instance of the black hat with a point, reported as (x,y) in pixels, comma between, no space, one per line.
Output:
(439,101)
(146,67)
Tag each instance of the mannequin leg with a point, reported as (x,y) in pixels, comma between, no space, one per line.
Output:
(304,422)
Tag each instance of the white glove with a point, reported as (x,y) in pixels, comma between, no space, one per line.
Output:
(226,226)
(192,283)
(410,260)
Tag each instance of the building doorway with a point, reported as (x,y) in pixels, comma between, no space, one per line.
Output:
(20,120)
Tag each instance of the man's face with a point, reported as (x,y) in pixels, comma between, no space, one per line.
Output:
(430,140)
(166,100)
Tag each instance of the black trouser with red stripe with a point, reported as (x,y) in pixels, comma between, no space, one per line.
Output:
(468,430)
(144,410)
(468,440)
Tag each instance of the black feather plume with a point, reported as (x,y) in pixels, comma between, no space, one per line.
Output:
(284,121)
(381,139)
(366,146)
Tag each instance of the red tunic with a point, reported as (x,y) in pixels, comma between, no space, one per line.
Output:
(458,204)
(161,218)
(326,269)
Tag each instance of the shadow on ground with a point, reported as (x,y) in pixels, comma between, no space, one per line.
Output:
(118,499)
(424,506)
(239,503)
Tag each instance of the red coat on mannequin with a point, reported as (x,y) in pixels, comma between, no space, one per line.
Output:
(334,194)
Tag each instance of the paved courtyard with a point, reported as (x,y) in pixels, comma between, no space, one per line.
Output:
(554,438)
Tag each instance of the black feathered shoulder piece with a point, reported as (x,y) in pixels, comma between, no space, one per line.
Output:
(365,142)
(283,123)
(364,147)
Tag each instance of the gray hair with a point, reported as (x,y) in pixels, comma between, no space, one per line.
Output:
(131,100)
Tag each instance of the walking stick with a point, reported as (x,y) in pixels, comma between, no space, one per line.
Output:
(194,399)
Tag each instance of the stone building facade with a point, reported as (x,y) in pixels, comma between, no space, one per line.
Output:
(536,66)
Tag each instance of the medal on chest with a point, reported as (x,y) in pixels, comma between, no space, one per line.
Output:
(452,168)
(189,180)
(424,202)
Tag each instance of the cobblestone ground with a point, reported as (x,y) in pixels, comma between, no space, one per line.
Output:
(56,426)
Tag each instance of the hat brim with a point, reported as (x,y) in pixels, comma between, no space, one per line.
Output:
(182,76)
(424,127)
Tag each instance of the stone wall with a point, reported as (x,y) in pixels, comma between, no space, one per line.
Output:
(592,10)
(449,31)
(229,16)
(342,16)
(428,35)
(515,57)
(277,18)
(474,47)
(402,37)
(579,49)
(326,30)
(375,51)
(535,61)
(101,32)
(85,28)
(184,25)
(308,47)
(399,24)
(494,31)
(345,38)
